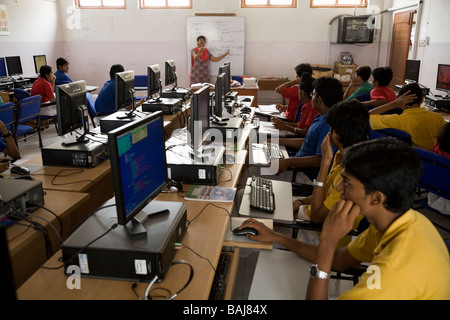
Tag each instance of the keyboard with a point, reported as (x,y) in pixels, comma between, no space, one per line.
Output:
(219,284)
(272,151)
(261,194)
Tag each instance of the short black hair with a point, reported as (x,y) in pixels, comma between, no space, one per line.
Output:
(364,72)
(61,61)
(386,165)
(201,37)
(329,89)
(45,70)
(383,75)
(307,83)
(115,69)
(303,67)
(414,88)
(350,120)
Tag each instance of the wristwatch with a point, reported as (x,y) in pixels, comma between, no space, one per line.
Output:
(318,183)
(316,273)
(7,135)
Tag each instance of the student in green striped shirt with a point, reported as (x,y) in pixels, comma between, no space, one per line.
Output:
(361,82)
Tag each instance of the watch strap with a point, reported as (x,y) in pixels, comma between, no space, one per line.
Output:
(318,183)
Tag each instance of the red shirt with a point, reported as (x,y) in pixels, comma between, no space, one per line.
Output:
(291,93)
(308,115)
(383,93)
(44,88)
(437,149)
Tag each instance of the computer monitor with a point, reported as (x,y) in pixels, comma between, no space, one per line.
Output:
(125,92)
(154,80)
(139,167)
(39,61)
(3,73)
(14,66)
(443,78)
(226,68)
(171,73)
(72,112)
(357,29)
(199,119)
(7,286)
(219,95)
(412,70)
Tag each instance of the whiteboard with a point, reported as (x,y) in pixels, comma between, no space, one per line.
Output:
(222,33)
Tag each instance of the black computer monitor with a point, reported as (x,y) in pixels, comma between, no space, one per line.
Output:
(125,92)
(226,68)
(412,70)
(7,286)
(3,73)
(199,119)
(171,73)
(39,61)
(154,80)
(139,167)
(219,95)
(72,112)
(443,78)
(14,66)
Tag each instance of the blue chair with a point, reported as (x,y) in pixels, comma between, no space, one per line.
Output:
(391,132)
(28,110)
(140,84)
(363,97)
(90,104)
(7,114)
(21,94)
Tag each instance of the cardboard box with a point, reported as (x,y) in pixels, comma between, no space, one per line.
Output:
(321,70)
(344,68)
(271,83)
(344,78)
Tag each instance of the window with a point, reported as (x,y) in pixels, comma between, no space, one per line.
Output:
(268,3)
(100,4)
(338,3)
(165,4)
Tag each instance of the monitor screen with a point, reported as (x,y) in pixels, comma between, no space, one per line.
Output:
(69,98)
(171,72)
(154,79)
(412,70)
(219,95)
(357,29)
(138,164)
(124,89)
(39,61)
(3,73)
(14,65)
(199,120)
(443,78)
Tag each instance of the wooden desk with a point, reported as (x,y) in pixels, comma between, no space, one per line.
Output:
(248,92)
(6,96)
(27,246)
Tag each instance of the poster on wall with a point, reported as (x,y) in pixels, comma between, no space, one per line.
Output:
(4,23)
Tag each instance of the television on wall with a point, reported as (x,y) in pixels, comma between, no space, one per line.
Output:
(357,29)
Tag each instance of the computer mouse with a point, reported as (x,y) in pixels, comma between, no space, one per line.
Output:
(229,158)
(245,231)
(246,109)
(20,170)
(246,100)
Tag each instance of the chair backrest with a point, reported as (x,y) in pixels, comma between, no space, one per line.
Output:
(140,81)
(21,94)
(363,97)
(7,114)
(90,105)
(436,172)
(29,108)
(391,132)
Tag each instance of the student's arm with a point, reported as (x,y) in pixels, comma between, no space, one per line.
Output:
(398,103)
(291,142)
(11,147)
(298,162)
(291,83)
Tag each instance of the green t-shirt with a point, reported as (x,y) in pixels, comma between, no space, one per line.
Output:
(364,88)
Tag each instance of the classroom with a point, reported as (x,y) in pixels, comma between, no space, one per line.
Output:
(259,44)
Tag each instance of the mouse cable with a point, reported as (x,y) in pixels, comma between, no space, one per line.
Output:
(179,246)
(210,204)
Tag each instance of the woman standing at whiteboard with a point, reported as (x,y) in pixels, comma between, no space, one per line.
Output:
(200,60)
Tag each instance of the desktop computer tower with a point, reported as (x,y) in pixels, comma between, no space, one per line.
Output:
(116,255)
(442,104)
(177,93)
(84,155)
(115,120)
(230,132)
(166,105)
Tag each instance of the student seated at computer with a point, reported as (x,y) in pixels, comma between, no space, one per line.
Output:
(423,125)
(105,103)
(7,146)
(308,113)
(61,74)
(349,124)
(289,90)
(381,94)
(359,84)
(45,86)
(409,259)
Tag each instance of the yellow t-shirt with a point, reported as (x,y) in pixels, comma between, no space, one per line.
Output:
(410,261)
(422,125)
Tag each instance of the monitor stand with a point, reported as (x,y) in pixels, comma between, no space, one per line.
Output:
(85,123)
(130,115)
(135,226)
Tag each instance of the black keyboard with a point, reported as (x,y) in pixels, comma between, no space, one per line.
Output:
(219,284)
(261,194)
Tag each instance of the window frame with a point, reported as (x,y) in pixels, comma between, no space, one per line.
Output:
(268,5)
(78,6)
(142,6)
(337,5)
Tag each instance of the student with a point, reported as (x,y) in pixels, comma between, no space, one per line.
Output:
(349,124)
(105,103)
(409,260)
(381,94)
(199,61)
(359,84)
(7,146)
(45,86)
(61,74)
(423,126)
(308,113)
(289,90)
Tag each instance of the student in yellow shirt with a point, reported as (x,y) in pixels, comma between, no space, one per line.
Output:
(409,259)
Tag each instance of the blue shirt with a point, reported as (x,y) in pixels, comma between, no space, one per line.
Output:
(61,78)
(106,100)
(316,133)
